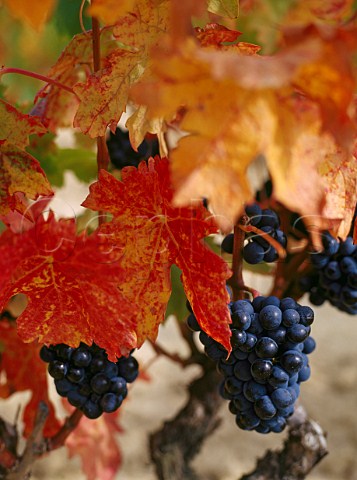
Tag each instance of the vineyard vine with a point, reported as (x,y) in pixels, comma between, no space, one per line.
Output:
(208,152)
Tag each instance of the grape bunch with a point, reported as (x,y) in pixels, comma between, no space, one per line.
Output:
(122,154)
(269,359)
(86,377)
(334,276)
(258,249)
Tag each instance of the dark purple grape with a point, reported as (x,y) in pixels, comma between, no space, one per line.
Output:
(57,369)
(227,243)
(100,383)
(47,354)
(128,368)
(110,402)
(92,410)
(81,357)
(264,408)
(266,347)
(76,399)
(75,375)
(292,361)
(270,317)
(253,253)
(261,369)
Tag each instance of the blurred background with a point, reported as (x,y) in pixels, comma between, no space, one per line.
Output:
(330,396)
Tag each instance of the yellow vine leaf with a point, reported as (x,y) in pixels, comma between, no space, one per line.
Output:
(104,96)
(238,107)
(224,8)
(110,11)
(33,13)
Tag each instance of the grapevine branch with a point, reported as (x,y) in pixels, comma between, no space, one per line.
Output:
(180,439)
(236,281)
(37,445)
(304,448)
(38,76)
(67,428)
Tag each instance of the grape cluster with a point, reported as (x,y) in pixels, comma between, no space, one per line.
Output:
(269,359)
(334,277)
(258,248)
(87,378)
(122,154)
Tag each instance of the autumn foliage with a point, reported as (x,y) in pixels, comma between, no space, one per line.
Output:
(171,66)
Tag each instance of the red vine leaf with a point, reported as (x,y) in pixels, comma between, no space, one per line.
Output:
(71,285)
(19,172)
(152,235)
(95,442)
(24,371)
(215,34)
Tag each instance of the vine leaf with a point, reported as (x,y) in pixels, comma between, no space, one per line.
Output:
(96,444)
(239,106)
(104,96)
(152,235)
(71,285)
(319,11)
(215,35)
(225,8)
(340,174)
(16,127)
(35,14)
(19,172)
(55,106)
(109,11)
(25,371)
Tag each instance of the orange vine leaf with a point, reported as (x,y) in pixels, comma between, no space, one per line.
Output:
(240,106)
(71,285)
(35,14)
(152,235)
(110,11)
(24,371)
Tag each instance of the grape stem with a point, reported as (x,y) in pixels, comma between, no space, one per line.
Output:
(236,281)
(286,273)
(102,151)
(71,422)
(174,357)
(38,76)
(274,243)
